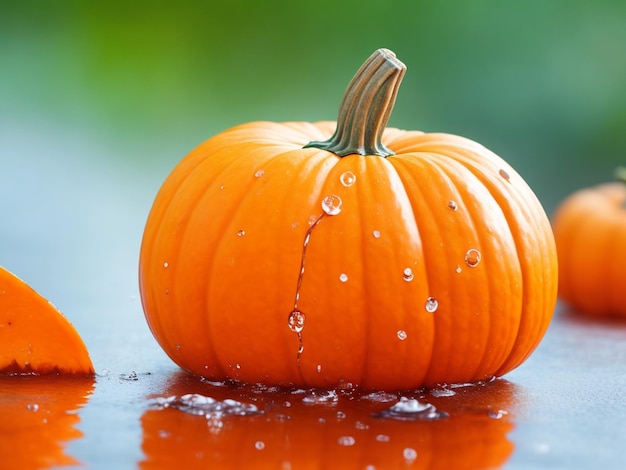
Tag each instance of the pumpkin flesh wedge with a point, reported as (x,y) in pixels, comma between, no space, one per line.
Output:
(35,338)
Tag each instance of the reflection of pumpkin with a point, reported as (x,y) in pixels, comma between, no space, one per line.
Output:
(291,433)
(34,336)
(590,232)
(38,419)
(412,260)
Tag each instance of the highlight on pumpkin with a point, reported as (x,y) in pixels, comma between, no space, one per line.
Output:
(415,258)
(35,338)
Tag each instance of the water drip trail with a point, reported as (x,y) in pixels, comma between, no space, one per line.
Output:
(296,317)
(331,205)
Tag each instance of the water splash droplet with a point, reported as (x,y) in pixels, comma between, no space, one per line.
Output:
(346,441)
(409,454)
(296,321)
(504,175)
(343,277)
(497,414)
(410,409)
(381,397)
(241,233)
(321,396)
(452,205)
(472,257)
(401,335)
(331,205)
(376,234)
(407,274)
(361,426)
(259,173)
(347,178)
(212,409)
(431,305)
(442,392)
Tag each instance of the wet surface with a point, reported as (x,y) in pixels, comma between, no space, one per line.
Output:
(77,244)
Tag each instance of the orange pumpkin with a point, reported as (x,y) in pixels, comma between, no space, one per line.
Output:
(34,336)
(381,258)
(590,233)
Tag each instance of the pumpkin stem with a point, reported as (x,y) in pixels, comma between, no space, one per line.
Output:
(365,108)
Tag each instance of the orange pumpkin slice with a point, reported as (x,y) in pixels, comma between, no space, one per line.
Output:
(35,338)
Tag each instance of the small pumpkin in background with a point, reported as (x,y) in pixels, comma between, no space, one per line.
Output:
(590,233)
(380,258)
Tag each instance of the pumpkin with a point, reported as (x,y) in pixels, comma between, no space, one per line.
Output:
(379,258)
(590,232)
(463,428)
(39,419)
(35,338)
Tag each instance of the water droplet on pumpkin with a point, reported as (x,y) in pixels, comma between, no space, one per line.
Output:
(458,270)
(32,407)
(259,173)
(431,305)
(347,178)
(472,257)
(452,205)
(259,445)
(407,274)
(331,205)
(383,438)
(401,335)
(318,368)
(296,321)
(241,233)
(376,234)
(409,454)
(343,277)
(504,174)
(346,441)
(222,187)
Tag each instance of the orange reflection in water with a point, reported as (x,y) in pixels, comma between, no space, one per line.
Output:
(296,430)
(38,417)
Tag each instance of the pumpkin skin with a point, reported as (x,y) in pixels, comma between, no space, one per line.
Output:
(590,233)
(390,299)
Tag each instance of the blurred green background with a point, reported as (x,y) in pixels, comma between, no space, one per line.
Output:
(100,99)
(540,82)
